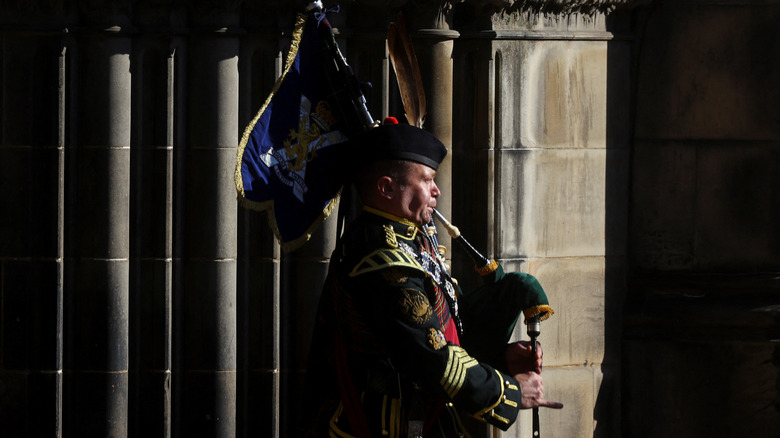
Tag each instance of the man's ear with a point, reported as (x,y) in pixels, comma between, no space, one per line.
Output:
(385,187)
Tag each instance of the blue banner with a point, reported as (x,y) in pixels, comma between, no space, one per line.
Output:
(292,156)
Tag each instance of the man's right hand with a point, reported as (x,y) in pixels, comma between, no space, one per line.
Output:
(532,390)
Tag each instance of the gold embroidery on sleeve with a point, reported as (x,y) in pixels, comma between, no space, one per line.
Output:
(454,375)
(415,306)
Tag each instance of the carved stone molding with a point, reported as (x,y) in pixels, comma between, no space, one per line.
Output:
(362,16)
(525,18)
(558,6)
(440,15)
(437,12)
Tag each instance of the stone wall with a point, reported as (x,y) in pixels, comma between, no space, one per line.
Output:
(554,149)
(626,157)
(701,336)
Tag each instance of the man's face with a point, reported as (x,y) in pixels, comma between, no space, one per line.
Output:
(417,194)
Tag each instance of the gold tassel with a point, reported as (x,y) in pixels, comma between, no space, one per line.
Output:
(543,311)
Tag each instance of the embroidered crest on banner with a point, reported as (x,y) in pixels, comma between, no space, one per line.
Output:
(301,146)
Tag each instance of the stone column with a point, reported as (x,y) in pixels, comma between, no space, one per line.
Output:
(205,257)
(97,242)
(259,255)
(32,139)
(555,149)
(544,124)
(151,265)
(434,42)
(474,183)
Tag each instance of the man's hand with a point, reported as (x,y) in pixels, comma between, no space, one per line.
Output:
(526,369)
(532,391)
(519,358)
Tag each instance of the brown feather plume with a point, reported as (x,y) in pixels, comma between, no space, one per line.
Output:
(407,71)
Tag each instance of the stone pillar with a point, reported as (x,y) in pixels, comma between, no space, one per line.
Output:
(151,228)
(553,158)
(556,165)
(434,41)
(474,181)
(97,242)
(205,258)
(436,49)
(259,257)
(32,120)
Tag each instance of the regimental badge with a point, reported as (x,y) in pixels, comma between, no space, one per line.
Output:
(415,306)
(390,236)
(436,339)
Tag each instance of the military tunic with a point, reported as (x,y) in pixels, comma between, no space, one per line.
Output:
(386,358)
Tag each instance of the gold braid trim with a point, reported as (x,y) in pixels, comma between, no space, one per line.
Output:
(335,431)
(499,418)
(395,415)
(385,258)
(390,216)
(479,414)
(454,375)
(268,206)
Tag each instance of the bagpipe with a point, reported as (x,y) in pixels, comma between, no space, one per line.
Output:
(534,315)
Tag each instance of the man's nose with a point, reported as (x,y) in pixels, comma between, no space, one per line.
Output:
(435,192)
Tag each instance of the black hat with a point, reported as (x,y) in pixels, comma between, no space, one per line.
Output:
(400,142)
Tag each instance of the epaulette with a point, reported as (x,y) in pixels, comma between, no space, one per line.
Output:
(385,258)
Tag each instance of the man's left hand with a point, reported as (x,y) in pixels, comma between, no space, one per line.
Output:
(519,357)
